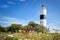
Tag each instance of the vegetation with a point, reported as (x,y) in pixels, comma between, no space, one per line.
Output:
(16,27)
(35,36)
(18,32)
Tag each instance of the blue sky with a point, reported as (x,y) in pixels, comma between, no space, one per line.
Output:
(24,11)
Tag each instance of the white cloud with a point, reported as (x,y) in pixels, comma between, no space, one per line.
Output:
(4,6)
(10,20)
(10,2)
(6,21)
(22,0)
(52,26)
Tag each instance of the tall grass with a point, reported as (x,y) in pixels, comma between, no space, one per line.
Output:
(35,36)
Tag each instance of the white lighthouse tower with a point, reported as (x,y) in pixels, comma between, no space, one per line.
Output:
(43,16)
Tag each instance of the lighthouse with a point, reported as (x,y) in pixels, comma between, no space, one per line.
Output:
(43,13)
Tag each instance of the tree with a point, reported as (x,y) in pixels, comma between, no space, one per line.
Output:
(17,27)
(2,29)
(14,27)
(37,27)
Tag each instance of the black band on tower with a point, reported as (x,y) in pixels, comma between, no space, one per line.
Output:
(42,16)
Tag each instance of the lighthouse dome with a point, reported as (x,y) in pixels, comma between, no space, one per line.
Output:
(43,10)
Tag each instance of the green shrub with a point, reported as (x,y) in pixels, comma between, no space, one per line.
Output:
(56,36)
(9,38)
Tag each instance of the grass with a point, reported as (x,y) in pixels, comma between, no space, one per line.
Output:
(35,36)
